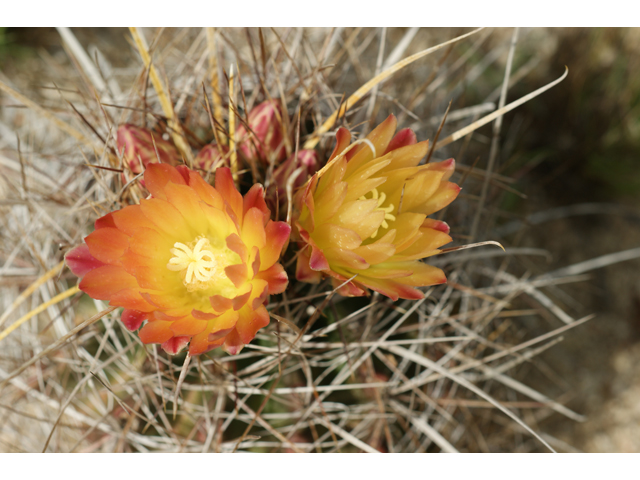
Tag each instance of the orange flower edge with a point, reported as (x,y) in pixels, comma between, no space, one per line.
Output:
(367,215)
(196,262)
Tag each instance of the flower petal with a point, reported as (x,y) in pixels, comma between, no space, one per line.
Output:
(343,139)
(250,321)
(229,192)
(132,319)
(107,244)
(404,137)
(304,272)
(156,331)
(188,326)
(80,261)
(276,277)
(158,175)
(277,234)
(175,345)
(103,282)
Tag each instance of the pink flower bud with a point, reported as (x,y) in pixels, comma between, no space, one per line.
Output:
(211,157)
(138,147)
(307,160)
(265,138)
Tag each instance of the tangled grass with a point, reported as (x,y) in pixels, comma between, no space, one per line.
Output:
(446,373)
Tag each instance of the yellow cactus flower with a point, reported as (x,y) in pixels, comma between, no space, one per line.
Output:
(366,214)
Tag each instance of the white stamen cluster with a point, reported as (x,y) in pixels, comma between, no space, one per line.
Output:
(199,262)
(381,197)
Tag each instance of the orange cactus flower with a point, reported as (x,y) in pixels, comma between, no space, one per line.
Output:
(196,262)
(138,149)
(366,214)
(265,140)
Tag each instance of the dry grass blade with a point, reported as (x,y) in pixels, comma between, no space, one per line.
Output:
(167,107)
(65,127)
(448,372)
(366,88)
(56,345)
(595,263)
(39,309)
(402,352)
(498,113)
(29,290)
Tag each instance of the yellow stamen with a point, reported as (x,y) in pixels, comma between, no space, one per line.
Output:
(196,261)
(381,197)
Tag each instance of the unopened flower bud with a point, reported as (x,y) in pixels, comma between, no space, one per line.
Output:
(302,166)
(137,145)
(265,138)
(211,157)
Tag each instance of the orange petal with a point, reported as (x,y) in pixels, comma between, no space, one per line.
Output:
(148,243)
(106,221)
(156,177)
(221,326)
(260,293)
(277,234)
(206,192)
(232,343)
(156,331)
(317,259)
(254,261)
(276,277)
(102,282)
(107,244)
(185,200)
(235,244)
(255,199)
(240,300)
(188,326)
(250,321)
(167,219)
(131,218)
(446,166)
(333,175)
(253,229)
(237,274)
(221,304)
(131,298)
(80,261)
(158,277)
(175,345)
(407,227)
(226,188)
(199,343)
(132,319)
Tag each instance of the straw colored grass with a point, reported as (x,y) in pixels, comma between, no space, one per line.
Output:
(329,373)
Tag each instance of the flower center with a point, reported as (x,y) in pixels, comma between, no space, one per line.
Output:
(381,197)
(196,262)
